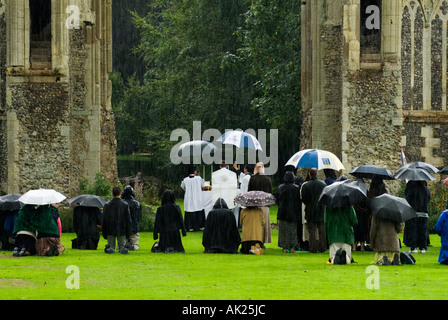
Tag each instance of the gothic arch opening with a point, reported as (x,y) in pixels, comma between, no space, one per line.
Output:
(370,29)
(40,34)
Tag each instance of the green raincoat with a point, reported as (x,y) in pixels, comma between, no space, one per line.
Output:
(339,224)
(36,218)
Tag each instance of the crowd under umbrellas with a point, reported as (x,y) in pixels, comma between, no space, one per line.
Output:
(31,223)
(338,200)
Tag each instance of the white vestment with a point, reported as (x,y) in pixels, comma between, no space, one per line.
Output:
(224,185)
(192,186)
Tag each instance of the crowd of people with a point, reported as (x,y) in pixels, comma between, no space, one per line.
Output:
(304,223)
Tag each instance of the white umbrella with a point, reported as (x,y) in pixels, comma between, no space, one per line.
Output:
(42,197)
(314,158)
(196,148)
(240,139)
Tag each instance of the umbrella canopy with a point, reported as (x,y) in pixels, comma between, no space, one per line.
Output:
(240,139)
(390,207)
(88,200)
(343,193)
(414,174)
(421,165)
(196,148)
(255,199)
(42,197)
(10,202)
(370,171)
(314,158)
(444,170)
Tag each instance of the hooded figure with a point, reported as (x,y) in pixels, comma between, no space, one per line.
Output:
(85,224)
(167,224)
(441,229)
(289,213)
(221,233)
(136,215)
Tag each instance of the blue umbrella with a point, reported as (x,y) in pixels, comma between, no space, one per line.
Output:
(315,158)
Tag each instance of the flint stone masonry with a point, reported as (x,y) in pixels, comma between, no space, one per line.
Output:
(56,120)
(365,106)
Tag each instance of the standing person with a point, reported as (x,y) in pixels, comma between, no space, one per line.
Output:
(339,224)
(136,215)
(441,228)
(302,230)
(260,182)
(330,176)
(314,212)
(362,228)
(384,241)
(167,225)
(193,206)
(289,213)
(415,230)
(116,223)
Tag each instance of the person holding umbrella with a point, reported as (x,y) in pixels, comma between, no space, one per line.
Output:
(340,217)
(261,182)
(418,196)
(314,212)
(252,219)
(389,212)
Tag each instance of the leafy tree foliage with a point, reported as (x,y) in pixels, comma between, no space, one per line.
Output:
(227,63)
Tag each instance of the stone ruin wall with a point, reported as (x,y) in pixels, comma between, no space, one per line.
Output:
(397,101)
(57,127)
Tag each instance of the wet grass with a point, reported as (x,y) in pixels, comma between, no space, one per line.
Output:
(197,276)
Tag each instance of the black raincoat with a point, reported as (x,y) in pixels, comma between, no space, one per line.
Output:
(221,233)
(288,199)
(168,222)
(116,219)
(134,207)
(85,222)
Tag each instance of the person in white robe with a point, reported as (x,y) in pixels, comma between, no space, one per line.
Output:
(193,205)
(225,186)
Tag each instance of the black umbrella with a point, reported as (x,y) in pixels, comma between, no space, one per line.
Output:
(343,193)
(370,171)
(414,174)
(10,202)
(88,200)
(444,170)
(421,165)
(390,207)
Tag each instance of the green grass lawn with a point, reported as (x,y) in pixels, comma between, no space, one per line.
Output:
(198,276)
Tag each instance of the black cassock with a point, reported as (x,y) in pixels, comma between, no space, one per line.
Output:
(85,222)
(168,222)
(221,233)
